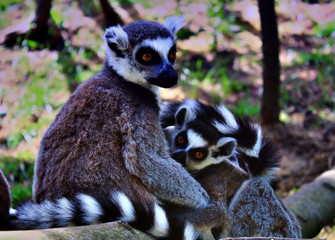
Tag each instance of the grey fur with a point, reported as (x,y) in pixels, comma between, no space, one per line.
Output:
(256,211)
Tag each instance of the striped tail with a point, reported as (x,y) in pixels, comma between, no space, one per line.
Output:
(256,151)
(84,210)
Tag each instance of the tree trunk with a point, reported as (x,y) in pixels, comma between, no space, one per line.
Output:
(111,17)
(44,30)
(271,66)
(314,204)
(42,14)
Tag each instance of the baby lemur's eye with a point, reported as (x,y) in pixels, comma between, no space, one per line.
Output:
(180,139)
(146,57)
(199,155)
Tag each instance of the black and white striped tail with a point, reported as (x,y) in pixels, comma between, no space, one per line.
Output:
(257,151)
(84,210)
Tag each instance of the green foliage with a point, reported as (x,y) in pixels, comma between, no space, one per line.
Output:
(69,59)
(36,103)
(196,77)
(326,30)
(244,107)
(185,33)
(222,20)
(4,4)
(90,7)
(20,175)
(317,59)
(57,16)
(324,62)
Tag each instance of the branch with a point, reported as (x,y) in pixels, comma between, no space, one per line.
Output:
(314,204)
(111,17)
(114,230)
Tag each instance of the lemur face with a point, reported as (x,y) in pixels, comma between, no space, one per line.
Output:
(196,143)
(154,59)
(194,152)
(144,52)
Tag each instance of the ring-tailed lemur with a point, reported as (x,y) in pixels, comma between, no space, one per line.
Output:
(107,140)
(212,133)
(207,140)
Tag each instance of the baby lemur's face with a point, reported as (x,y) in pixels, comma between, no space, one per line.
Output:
(190,148)
(195,143)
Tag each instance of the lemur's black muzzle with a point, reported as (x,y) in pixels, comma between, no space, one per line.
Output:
(166,78)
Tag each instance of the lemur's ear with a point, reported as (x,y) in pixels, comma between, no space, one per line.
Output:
(117,40)
(174,24)
(227,146)
(183,115)
(180,116)
(186,112)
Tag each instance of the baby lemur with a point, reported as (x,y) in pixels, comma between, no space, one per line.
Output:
(234,163)
(104,157)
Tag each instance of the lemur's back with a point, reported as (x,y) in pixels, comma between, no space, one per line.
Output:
(84,142)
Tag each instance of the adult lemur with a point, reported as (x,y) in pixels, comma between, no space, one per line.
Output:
(233,161)
(104,156)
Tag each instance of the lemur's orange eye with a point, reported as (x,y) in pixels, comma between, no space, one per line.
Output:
(147,57)
(172,55)
(180,139)
(199,155)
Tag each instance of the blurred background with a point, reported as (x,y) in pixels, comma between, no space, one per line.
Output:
(47,48)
